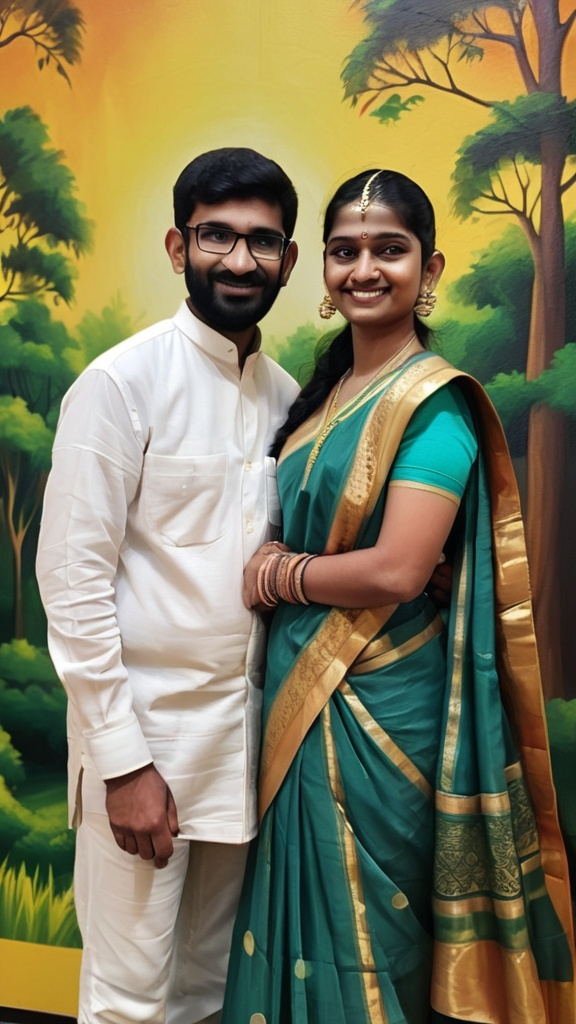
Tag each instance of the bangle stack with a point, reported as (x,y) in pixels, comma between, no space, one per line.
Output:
(280,578)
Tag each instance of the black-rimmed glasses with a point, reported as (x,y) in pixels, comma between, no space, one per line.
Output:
(222,240)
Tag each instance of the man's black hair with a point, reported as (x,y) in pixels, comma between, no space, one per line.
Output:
(233,173)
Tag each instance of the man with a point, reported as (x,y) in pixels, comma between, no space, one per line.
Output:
(159,494)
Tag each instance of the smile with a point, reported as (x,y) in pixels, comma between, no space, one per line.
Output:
(374,294)
(237,288)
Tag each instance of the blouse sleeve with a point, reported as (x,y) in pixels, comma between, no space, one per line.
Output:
(439,446)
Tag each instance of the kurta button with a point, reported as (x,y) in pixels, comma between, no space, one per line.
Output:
(399,901)
(257,1018)
(248,943)
(248,466)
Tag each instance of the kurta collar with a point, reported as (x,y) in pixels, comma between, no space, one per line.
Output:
(210,341)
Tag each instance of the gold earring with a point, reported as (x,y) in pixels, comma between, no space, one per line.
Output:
(425,303)
(326,307)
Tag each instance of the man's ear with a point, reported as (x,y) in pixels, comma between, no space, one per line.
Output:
(289,263)
(176,249)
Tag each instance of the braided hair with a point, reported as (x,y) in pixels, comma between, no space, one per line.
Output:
(413,208)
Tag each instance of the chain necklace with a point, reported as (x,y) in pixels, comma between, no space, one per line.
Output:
(331,416)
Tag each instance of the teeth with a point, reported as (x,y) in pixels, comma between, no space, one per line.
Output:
(362,295)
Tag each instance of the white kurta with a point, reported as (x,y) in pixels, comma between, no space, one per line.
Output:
(160,492)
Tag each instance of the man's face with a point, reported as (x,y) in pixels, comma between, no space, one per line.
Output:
(232,292)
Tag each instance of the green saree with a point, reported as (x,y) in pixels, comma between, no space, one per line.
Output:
(404,869)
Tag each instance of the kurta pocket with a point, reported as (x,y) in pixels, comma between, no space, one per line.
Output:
(184,496)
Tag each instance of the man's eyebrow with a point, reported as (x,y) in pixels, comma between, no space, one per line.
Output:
(253,231)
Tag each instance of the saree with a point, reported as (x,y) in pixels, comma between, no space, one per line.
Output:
(409,867)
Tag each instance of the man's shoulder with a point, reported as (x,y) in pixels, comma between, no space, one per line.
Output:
(136,344)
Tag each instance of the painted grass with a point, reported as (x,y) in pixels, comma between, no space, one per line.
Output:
(31,910)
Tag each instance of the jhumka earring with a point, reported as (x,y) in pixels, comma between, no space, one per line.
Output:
(326,307)
(425,303)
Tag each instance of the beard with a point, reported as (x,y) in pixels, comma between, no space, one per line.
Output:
(230,312)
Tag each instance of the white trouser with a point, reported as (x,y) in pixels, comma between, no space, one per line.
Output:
(156,941)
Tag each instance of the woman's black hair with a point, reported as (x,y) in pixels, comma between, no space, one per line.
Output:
(412,206)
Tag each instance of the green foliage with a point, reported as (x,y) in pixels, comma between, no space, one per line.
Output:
(32,703)
(513,136)
(32,911)
(493,346)
(561,717)
(49,843)
(36,354)
(483,346)
(512,395)
(39,210)
(557,386)
(501,275)
(296,353)
(15,820)
(21,663)
(38,271)
(22,431)
(394,106)
(97,333)
(11,767)
(397,30)
(54,27)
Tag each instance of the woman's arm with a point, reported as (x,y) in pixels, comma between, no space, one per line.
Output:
(414,530)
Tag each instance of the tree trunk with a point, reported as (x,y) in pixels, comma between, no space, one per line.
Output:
(547,428)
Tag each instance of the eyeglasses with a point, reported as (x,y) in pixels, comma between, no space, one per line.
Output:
(223,240)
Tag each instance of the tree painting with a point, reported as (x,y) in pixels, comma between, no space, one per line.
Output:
(519,166)
(43,231)
(53,27)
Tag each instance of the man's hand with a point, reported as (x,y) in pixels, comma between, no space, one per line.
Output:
(440,584)
(250,594)
(142,814)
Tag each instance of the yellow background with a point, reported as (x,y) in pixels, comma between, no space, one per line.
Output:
(162,80)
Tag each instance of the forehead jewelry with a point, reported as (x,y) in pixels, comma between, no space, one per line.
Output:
(365,197)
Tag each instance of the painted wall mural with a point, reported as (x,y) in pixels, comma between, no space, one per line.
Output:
(102,103)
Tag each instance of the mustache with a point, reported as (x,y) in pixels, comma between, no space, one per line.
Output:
(253,278)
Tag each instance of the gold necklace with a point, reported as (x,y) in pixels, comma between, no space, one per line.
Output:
(331,417)
(329,424)
(386,367)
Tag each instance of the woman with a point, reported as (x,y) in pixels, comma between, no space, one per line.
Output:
(398,877)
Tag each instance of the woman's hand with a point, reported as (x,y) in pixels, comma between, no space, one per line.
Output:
(250,595)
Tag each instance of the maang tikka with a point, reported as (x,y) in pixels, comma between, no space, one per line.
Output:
(365,199)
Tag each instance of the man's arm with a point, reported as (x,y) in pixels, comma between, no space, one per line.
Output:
(96,471)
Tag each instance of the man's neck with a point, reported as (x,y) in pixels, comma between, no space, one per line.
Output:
(245,340)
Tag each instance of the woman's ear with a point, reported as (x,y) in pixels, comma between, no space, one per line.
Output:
(432,271)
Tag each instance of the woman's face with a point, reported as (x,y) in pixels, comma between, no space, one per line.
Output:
(373,267)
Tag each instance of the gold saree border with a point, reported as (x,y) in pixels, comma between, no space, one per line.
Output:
(381,652)
(372,994)
(517,661)
(517,654)
(307,688)
(345,632)
(384,741)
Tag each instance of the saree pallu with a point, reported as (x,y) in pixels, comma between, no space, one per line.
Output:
(404,869)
